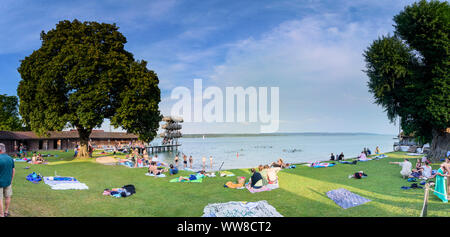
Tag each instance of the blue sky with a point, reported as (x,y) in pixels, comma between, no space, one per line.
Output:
(312,50)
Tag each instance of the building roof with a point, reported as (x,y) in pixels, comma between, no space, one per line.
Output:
(73,134)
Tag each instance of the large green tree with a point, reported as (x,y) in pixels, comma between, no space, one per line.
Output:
(9,115)
(409,73)
(80,76)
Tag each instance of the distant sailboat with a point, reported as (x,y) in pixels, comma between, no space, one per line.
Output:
(203,137)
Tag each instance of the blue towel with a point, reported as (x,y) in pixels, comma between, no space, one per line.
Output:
(345,198)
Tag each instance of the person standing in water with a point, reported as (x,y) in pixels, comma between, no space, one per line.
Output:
(191,160)
(204,162)
(176,160)
(211,161)
(185,161)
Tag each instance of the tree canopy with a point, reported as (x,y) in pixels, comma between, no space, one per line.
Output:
(409,71)
(9,115)
(80,76)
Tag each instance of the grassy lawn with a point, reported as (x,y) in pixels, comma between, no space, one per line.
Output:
(302,191)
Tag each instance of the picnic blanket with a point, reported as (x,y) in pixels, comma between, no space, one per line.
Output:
(257,190)
(64,183)
(241,209)
(345,198)
(267,187)
(21,159)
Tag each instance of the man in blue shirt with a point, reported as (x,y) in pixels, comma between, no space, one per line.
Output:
(7,171)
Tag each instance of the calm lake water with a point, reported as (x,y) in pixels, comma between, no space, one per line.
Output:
(254,150)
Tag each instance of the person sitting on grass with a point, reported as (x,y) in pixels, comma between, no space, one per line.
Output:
(153,169)
(341,156)
(377,150)
(406,168)
(256,181)
(417,172)
(426,170)
(362,156)
(173,170)
(263,171)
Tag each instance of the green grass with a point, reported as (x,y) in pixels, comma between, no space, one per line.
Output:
(302,191)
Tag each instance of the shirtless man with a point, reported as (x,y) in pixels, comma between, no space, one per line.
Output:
(185,161)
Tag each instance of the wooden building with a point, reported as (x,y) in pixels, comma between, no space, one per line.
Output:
(62,140)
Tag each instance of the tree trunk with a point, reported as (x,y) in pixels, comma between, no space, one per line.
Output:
(84,142)
(439,145)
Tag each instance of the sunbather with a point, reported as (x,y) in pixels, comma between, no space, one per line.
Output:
(191,177)
(363,157)
(358,175)
(153,169)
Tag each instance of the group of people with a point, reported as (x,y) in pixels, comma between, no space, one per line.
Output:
(191,161)
(266,174)
(21,150)
(337,157)
(37,158)
(424,171)
(77,148)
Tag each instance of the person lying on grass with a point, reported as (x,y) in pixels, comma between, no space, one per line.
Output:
(192,176)
(358,175)
(406,168)
(280,163)
(153,169)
